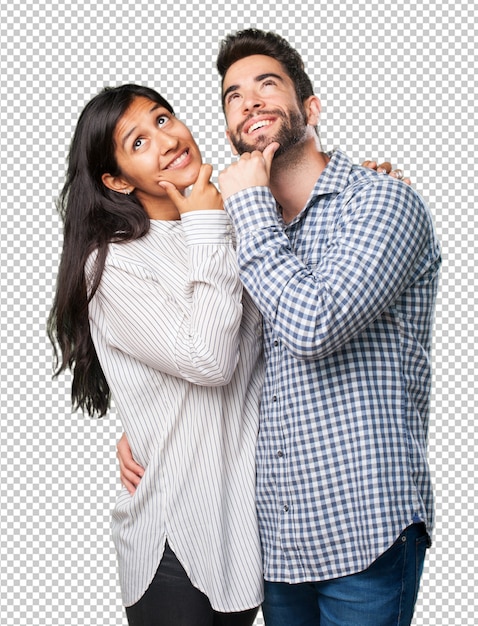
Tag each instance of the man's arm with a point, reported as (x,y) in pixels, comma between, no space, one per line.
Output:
(369,259)
(130,471)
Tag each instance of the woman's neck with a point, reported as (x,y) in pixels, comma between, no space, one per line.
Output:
(160,209)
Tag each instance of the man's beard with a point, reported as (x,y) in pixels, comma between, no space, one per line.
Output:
(291,132)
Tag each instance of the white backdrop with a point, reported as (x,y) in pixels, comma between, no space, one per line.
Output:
(397,82)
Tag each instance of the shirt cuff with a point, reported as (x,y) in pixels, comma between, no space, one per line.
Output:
(207,227)
(252,208)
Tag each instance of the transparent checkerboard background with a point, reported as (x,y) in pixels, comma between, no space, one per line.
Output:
(397,82)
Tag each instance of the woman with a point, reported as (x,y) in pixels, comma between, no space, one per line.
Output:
(149,309)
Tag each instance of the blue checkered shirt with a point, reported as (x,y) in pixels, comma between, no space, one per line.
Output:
(347,291)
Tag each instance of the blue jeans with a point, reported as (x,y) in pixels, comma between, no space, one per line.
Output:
(382,595)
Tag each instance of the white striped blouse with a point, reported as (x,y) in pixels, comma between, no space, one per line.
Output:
(180,345)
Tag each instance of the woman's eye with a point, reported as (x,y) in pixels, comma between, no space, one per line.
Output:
(137,144)
(162,120)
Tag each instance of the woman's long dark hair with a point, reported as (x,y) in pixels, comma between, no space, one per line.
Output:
(93,216)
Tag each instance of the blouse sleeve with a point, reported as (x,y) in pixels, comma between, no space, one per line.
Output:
(187,323)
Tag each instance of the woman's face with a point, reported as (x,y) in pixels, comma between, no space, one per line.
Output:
(151,145)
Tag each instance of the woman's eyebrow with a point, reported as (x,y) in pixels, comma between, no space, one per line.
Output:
(131,131)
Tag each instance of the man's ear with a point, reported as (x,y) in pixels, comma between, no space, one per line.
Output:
(234,151)
(116,183)
(313,109)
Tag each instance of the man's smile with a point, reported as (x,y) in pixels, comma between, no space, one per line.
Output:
(258,122)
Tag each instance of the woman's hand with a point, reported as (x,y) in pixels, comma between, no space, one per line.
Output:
(130,472)
(386,168)
(204,195)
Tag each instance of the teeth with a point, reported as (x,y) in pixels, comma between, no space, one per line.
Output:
(179,160)
(260,124)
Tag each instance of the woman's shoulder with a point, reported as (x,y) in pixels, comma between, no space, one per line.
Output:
(161,250)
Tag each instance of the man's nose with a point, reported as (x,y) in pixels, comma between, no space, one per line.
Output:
(251,102)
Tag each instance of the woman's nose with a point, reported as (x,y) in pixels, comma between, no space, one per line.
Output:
(166,142)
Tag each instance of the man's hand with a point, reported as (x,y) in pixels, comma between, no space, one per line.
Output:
(253,169)
(130,472)
(386,168)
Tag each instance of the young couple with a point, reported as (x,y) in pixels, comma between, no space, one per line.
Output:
(340,268)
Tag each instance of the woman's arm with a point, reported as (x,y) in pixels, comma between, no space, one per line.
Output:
(173,302)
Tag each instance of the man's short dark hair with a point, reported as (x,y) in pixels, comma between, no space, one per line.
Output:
(252,41)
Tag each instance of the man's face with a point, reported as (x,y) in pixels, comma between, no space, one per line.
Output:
(261,106)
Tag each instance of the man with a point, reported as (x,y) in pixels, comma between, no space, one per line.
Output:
(343,265)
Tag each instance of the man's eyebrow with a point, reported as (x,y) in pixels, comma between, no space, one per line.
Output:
(261,77)
(131,131)
(228,91)
(257,79)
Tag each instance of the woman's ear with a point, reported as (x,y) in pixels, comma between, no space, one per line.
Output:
(116,183)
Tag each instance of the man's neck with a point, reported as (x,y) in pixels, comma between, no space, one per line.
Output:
(293,176)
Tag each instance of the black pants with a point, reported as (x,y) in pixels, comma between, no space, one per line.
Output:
(171,600)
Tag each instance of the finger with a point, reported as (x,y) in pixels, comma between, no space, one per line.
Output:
(385,167)
(123,449)
(407,181)
(269,152)
(126,460)
(129,467)
(172,192)
(397,174)
(128,479)
(131,487)
(204,176)
(132,467)
(130,474)
(370,164)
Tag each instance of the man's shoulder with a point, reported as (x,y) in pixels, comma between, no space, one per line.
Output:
(369,195)
(384,188)
(342,175)
(349,189)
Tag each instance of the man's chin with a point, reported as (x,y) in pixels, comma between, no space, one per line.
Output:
(286,145)
(260,144)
